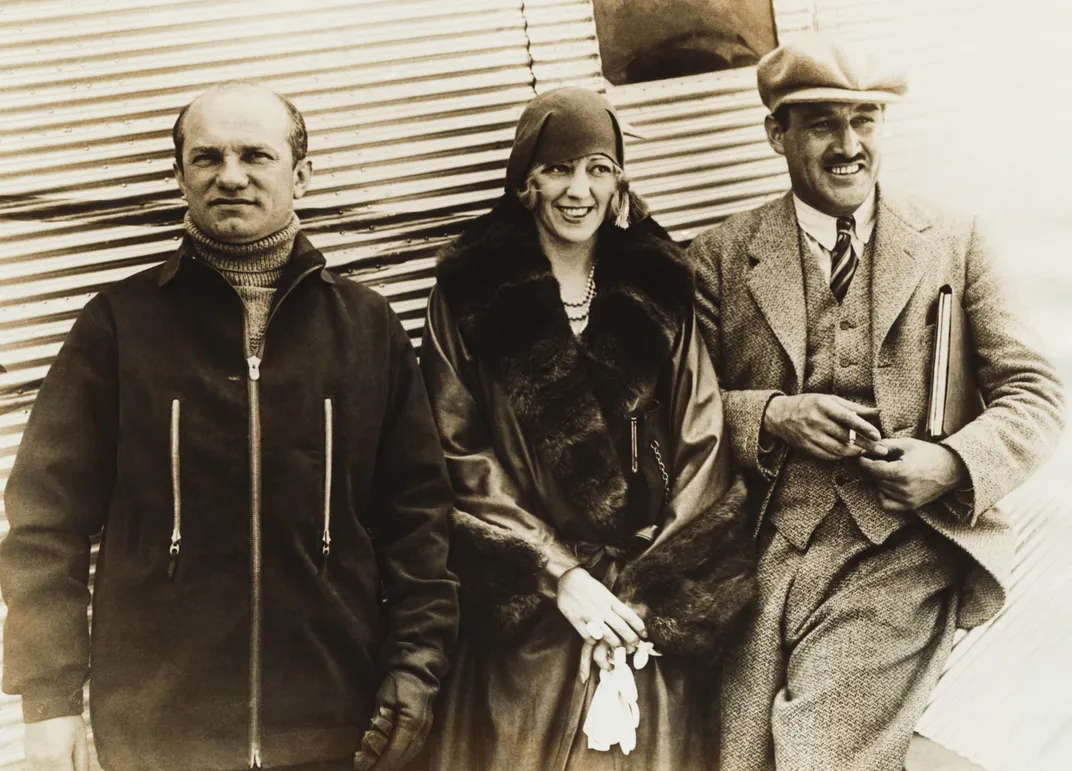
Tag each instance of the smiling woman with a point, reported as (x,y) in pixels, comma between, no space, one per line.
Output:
(581,421)
(570,200)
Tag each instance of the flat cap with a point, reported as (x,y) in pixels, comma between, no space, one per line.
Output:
(813,68)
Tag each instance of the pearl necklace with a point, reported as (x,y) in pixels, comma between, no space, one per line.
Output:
(585,304)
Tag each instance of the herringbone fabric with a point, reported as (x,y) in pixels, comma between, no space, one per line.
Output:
(847,642)
(843,260)
(751,307)
(838,353)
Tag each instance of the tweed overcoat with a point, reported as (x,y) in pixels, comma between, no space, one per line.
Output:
(751,309)
(536,426)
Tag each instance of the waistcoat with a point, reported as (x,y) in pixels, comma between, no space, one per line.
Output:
(838,360)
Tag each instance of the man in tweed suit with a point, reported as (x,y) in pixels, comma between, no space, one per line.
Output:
(818,311)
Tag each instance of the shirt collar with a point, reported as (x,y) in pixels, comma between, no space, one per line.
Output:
(823,227)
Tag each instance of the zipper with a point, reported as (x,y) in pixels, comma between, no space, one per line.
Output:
(253,364)
(633,441)
(254,390)
(329,451)
(176,492)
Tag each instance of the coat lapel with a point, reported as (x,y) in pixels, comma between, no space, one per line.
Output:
(776,281)
(899,261)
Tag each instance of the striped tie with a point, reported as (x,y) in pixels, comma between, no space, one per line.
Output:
(842,260)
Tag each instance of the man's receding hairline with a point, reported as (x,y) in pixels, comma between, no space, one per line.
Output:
(294,118)
(234,86)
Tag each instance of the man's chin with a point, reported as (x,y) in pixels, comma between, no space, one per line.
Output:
(230,231)
(843,202)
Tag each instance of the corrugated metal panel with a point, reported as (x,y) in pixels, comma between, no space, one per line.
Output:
(410,107)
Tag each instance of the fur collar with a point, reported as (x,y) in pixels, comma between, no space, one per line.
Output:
(562,389)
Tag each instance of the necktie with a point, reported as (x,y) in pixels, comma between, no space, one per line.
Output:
(842,260)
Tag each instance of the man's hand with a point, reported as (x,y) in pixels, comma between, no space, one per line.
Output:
(924,472)
(396,732)
(596,614)
(819,425)
(58,744)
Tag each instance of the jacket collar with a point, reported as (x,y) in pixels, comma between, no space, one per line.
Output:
(565,390)
(303,257)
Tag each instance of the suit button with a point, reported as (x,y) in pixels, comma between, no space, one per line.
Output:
(846,324)
(847,361)
(841,477)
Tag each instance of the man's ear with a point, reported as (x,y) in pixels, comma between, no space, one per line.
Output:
(179,179)
(775,134)
(303,173)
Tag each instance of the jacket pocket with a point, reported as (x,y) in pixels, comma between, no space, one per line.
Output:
(176,490)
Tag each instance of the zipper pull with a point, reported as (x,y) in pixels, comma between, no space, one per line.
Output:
(633,441)
(254,363)
(173,551)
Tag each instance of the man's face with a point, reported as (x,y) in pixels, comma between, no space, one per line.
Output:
(237,172)
(833,151)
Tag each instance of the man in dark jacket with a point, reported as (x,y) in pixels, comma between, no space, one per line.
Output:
(252,435)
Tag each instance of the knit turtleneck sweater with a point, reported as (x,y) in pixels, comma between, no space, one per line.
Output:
(254,269)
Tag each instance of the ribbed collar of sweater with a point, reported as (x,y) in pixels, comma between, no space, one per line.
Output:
(259,263)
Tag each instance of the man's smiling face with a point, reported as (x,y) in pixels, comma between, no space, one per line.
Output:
(833,151)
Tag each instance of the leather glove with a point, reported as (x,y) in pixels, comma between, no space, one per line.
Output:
(399,725)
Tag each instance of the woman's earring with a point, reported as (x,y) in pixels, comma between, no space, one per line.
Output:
(622,218)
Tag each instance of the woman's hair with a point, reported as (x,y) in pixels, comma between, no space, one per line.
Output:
(636,207)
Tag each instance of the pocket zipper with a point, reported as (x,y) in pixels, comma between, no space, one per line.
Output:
(329,452)
(176,492)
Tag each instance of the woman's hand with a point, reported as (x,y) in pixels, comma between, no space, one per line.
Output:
(600,653)
(597,615)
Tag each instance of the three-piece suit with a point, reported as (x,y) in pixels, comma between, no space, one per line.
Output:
(858,605)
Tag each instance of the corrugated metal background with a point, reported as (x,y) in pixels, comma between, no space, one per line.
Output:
(410,105)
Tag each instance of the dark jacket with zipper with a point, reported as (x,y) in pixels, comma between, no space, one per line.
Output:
(254,514)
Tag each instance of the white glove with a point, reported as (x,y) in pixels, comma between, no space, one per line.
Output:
(614,715)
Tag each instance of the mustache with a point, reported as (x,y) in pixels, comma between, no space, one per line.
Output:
(840,160)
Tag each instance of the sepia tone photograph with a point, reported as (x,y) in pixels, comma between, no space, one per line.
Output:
(535,385)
